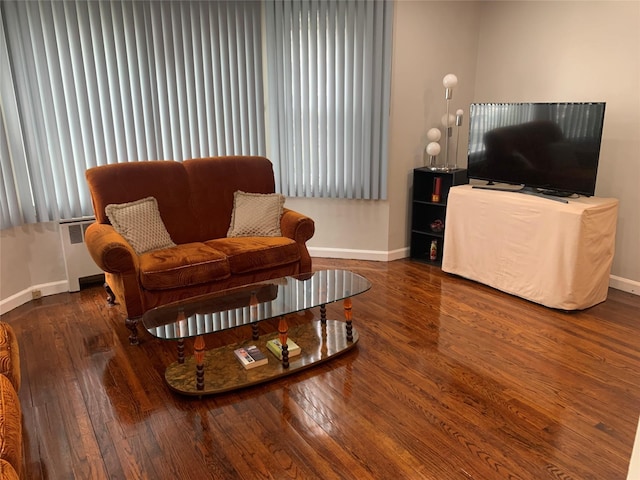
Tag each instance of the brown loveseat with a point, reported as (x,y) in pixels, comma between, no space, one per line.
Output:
(195,200)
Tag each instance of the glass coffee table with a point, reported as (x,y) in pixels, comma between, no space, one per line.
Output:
(217,370)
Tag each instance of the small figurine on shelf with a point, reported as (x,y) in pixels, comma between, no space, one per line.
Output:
(437,226)
(433,252)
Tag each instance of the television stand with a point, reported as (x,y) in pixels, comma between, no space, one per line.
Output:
(527,191)
(558,255)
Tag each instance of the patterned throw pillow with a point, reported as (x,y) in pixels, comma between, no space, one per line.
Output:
(256,215)
(140,224)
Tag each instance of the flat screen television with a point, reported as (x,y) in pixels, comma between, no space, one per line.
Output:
(547,148)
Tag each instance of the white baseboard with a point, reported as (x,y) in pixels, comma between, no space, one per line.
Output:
(26,295)
(624,284)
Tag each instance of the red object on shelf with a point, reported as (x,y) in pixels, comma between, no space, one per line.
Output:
(435,196)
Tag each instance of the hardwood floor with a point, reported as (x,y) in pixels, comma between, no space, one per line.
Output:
(450,380)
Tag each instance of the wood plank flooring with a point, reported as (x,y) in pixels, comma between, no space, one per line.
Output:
(450,380)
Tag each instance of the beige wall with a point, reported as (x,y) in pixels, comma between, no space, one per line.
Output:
(30,257)
(575,51)
(431,39)
(504,50)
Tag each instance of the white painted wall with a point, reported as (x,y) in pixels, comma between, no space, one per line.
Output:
(503,50)
(431,39)
(31,257)
(575,51)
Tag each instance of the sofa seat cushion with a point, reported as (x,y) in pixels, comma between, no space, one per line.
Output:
(250,254)
(182,266)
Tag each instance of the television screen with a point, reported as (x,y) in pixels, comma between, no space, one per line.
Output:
(552,147)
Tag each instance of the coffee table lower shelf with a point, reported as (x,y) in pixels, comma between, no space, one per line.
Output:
(223,372)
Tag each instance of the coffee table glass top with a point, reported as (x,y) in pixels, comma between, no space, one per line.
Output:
(252,303)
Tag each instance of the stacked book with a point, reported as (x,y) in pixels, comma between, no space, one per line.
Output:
(275,347)
(251,357)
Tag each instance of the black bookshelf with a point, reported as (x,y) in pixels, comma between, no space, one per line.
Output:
(429,205)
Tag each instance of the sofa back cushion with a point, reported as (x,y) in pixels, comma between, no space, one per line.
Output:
(166,181)
(213,182)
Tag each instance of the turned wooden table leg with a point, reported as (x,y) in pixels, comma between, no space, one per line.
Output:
(181,350)
(323,314)
(283,329)
(198,353)
(253,311)
(182,332)
(347,316)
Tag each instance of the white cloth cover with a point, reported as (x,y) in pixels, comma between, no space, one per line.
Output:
(552,253)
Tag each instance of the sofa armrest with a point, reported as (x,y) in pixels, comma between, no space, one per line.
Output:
(296,226)
(300,228)
(111,252)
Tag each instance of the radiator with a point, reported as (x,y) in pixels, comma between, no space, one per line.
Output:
(77,261)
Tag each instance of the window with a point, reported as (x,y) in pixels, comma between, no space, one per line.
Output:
(91,83)
(328,89)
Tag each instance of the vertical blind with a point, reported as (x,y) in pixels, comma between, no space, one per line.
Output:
(91,83)
(328,84)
